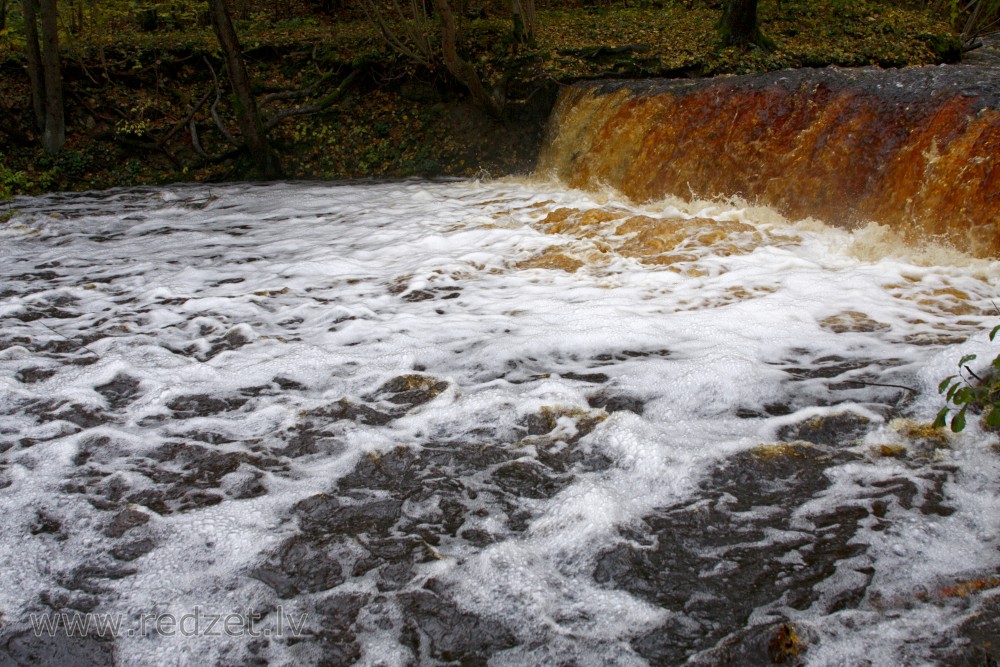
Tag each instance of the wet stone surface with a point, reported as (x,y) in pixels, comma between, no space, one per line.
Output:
(398,509)
(441,460)
(406,507)
(692,558)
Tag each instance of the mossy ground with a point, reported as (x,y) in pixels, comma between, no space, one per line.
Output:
(127,89)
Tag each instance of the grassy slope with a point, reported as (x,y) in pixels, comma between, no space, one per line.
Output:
(127,88)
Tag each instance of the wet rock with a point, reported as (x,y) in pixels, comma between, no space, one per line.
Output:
(331,514)
(771,644)
(980,632)
(436,626)
(73,601)
(203,405)
(40,275)
(392,576)
(175,499)
(202,350)
(833,430)
(929,497)
(409,391)
(93,578)
(852,321)
(45,524)
(400,508)
(34,374)
(418,295)
(208,437)
(833,366)
(121,391)
(302,565)
(615,402)
(233,339)
(441,292)
(125,521)
(337,617)
(547,419)
(923,440)
(34,314)
(346,409)
(528,479)
(80,415)
(305,440)
(715,560)
(595,378)
(287,384)
(246,486)
(477,537)
(625,355)
(181,474)
(24,649)
(90,446)
(14,341)
(130,550)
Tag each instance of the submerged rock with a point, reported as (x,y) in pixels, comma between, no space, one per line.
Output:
(833,430)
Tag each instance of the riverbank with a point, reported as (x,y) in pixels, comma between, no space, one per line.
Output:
(140,105)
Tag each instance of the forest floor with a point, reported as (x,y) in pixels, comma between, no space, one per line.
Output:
(133,96)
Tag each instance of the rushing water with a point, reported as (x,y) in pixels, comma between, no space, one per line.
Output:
(459,422)
(910,148)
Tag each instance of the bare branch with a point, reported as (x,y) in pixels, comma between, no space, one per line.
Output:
(882,384)
(407,37)
(195,142)
(299,92)
(188,119)
(215,108)
(331,98)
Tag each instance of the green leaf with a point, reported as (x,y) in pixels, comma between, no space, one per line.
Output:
(950,396)
(993,332)
(966,359)
(941,418)
(947,381)
(993,419)
(964,395)
(996,362)
(958,421)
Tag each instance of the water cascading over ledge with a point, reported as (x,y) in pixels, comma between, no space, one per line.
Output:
(914,149)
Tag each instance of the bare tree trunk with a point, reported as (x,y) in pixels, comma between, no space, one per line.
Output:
(461,70)
(33,54)
(254,135)
(524,21)
(3,14)
(54,135)
(739,23)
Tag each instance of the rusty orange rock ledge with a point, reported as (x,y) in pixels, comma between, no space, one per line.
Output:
(915,149)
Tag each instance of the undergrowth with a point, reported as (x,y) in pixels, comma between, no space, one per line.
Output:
(968,390)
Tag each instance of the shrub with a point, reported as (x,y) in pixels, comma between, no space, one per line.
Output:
(968,390)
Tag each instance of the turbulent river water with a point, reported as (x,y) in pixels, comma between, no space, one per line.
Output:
(504,422)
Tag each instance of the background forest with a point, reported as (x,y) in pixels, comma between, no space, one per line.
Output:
(163,91)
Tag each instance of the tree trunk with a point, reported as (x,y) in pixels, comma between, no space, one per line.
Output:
(524,21)
(54,135)
(461,70)
(33,54)
(3,14)
(251,126)
(739,23)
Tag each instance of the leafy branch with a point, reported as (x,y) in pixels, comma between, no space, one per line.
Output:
(967,390)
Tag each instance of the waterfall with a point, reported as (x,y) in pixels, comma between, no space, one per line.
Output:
(912,149)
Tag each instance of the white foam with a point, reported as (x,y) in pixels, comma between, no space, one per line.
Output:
(320,304)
